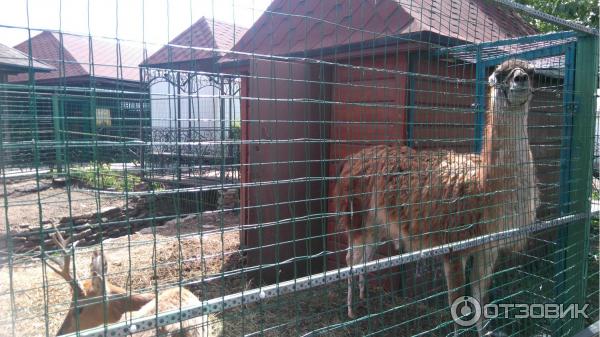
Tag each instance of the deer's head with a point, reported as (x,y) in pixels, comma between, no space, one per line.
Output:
(94,301)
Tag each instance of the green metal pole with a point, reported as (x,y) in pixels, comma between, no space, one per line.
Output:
(57,122)
(5,119)
(586,72)
(480,86)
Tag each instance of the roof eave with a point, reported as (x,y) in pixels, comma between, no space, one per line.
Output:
(412,37)
(14,69)
(173,65)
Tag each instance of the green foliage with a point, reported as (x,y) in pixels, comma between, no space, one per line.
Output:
(580,11)
(235,132)
(102,176)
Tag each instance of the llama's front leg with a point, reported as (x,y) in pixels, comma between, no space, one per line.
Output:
(455,279)
(481,279)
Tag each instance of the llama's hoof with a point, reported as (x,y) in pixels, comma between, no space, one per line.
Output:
(358,312)
(496,333)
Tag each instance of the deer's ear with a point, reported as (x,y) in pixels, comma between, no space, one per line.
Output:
(492,80)
(98,268)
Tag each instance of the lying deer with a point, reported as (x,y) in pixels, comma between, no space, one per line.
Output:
(88,310)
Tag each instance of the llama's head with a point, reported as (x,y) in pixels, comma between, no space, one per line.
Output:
(511,83)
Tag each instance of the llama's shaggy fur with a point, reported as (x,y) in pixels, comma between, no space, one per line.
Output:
(422,199)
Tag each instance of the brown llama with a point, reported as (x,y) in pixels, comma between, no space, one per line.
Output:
(91,311)
(423,199)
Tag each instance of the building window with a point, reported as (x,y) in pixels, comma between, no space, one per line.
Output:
(103,117)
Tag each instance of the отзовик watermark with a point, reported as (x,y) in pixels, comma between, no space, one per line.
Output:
(466,311)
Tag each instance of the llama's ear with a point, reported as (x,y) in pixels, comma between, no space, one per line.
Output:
(492,80)
(530,69)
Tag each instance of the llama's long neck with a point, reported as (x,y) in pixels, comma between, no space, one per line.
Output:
(505,147)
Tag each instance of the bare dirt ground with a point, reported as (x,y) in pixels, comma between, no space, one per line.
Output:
(30,205)
(194,251)
(140,262)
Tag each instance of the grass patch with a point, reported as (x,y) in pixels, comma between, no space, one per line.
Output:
(235,132)
(103,177)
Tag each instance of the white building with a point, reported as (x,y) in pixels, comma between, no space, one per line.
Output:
(191,102)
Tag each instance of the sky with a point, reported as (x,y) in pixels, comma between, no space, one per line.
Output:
(152,21)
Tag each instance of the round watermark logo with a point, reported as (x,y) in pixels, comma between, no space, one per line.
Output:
(465,311)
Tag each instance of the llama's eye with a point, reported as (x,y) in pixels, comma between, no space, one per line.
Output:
(501,77)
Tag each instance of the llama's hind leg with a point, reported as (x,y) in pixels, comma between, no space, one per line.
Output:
(455,278)
(359,252)
(362,283)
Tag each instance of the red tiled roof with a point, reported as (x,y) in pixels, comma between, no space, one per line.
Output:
(292,26)
(205,33)
(73,59)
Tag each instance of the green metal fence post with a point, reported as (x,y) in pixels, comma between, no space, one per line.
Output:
(586,73)
(58,135)
(480,87)
(560,257)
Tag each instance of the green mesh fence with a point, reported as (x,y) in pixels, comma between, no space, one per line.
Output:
(593,286)
(334,167)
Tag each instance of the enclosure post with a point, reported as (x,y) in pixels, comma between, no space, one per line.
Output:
(567,130)
(178,169)
(57,121)
(230,105)
(222,123)
(190,107)
(411,100)
(480,100)
(144,89)
(5,118)
(560,258)
(586,72)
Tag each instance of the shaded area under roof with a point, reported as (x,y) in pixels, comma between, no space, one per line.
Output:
(182,52)
(78,58)
(552,66)
(13,61)
(294,27)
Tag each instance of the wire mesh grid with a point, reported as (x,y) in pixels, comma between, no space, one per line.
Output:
(335,168)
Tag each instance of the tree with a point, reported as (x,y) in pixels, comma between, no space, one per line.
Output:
(581,11)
